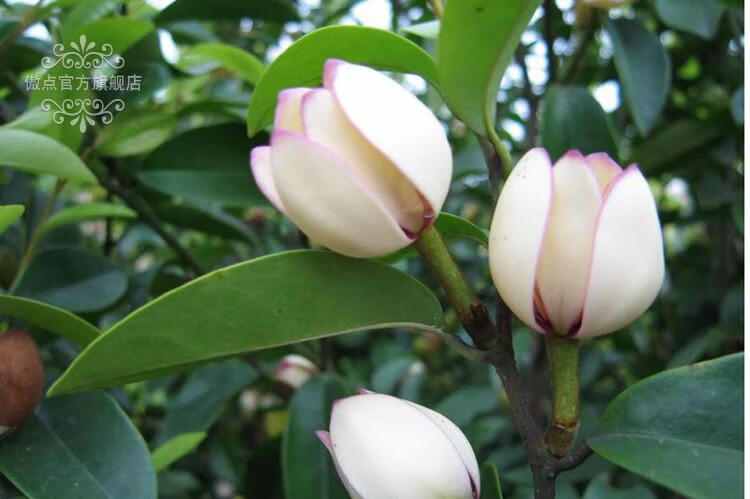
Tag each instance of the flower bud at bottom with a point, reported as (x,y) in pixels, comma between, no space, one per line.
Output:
(21,379)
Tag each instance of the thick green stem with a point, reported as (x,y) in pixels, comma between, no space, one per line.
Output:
(471,311)
(563,365)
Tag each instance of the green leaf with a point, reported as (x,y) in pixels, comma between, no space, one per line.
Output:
(230,10)
(572,119)
(208,165)
(84,13)
(600,489)
(301,65)
(307,468)
(118,32)
(699,17)
(33,120)
(175,448)
(388,374)
(644,68)
(135,132)
(429,29)
(223,55)
(9,214)
(90,211)
(200,401)
(476,42)
(681,428)
(673,143)
(270,301)
(78,446)
(490,486)
(73,279)
(35,153)
(465,404)
(50,318)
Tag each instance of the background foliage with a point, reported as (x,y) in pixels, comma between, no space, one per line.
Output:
(163,194)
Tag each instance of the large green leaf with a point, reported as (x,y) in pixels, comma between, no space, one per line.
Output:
(573,119)
(9,214)
(175,448)
(682,428)
(90,211)
(85,12)
(232,10)
(645,70)
(229,57)
(78,446)
(600,489)
(266,302)
(136,132)
(35,153)
(50,318)
(73,279)
(307,468)
(699,17)
(118,32)
(490,483)
(476,42)
(673,143)
(301,65)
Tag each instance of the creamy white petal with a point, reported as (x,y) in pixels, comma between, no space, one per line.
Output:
(328,203)
(627,266)
(397,124)
(260,166)
(388,449)
(325,438)
(326,124)
(288,115)
(566,251)
(517,231)
(604,168)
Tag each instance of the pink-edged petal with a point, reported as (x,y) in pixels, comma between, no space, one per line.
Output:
(326,124)
(566,251)
(517,231)
(327,202)
(325,438)
(627,267)
(260,166)
(604,168)
(387,448)
(396,123)
(288,115)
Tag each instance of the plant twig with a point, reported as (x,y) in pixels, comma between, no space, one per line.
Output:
(563,366)
(574,459)
(437,7)
(21,27)
(549,39)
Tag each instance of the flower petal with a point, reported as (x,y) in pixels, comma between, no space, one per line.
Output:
(260,166)
(325,437)
(566,252)
(387,449)
(288,115)
(517,232)
(396,123)
(328,203)
(627,266)
(604,168)
(326,124)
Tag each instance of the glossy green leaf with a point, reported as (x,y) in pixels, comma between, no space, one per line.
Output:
(307,468)
(35,153)
(699,17)
(135,132)
(32,120)
(387,376)
(50,318)
(78,446)
(600,489)
(644,68)
(90,211)
(9,214)
(476,42)
(85,12)
(266,302)
(208,165)
(682,428)
(673,143)
(490,483)
(73,279)
(223,55)
(118,32)
(301,64)
(201,399)
(572,119)
(175,448)
(468,402)
(429,29)
(231,10)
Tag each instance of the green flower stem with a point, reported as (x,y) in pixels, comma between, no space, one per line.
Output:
(471,311)
(563,363)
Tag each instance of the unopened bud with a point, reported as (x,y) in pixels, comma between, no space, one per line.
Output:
(21,379)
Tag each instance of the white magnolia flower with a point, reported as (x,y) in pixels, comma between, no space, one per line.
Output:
(293,370)
(360,165)
(576,249)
